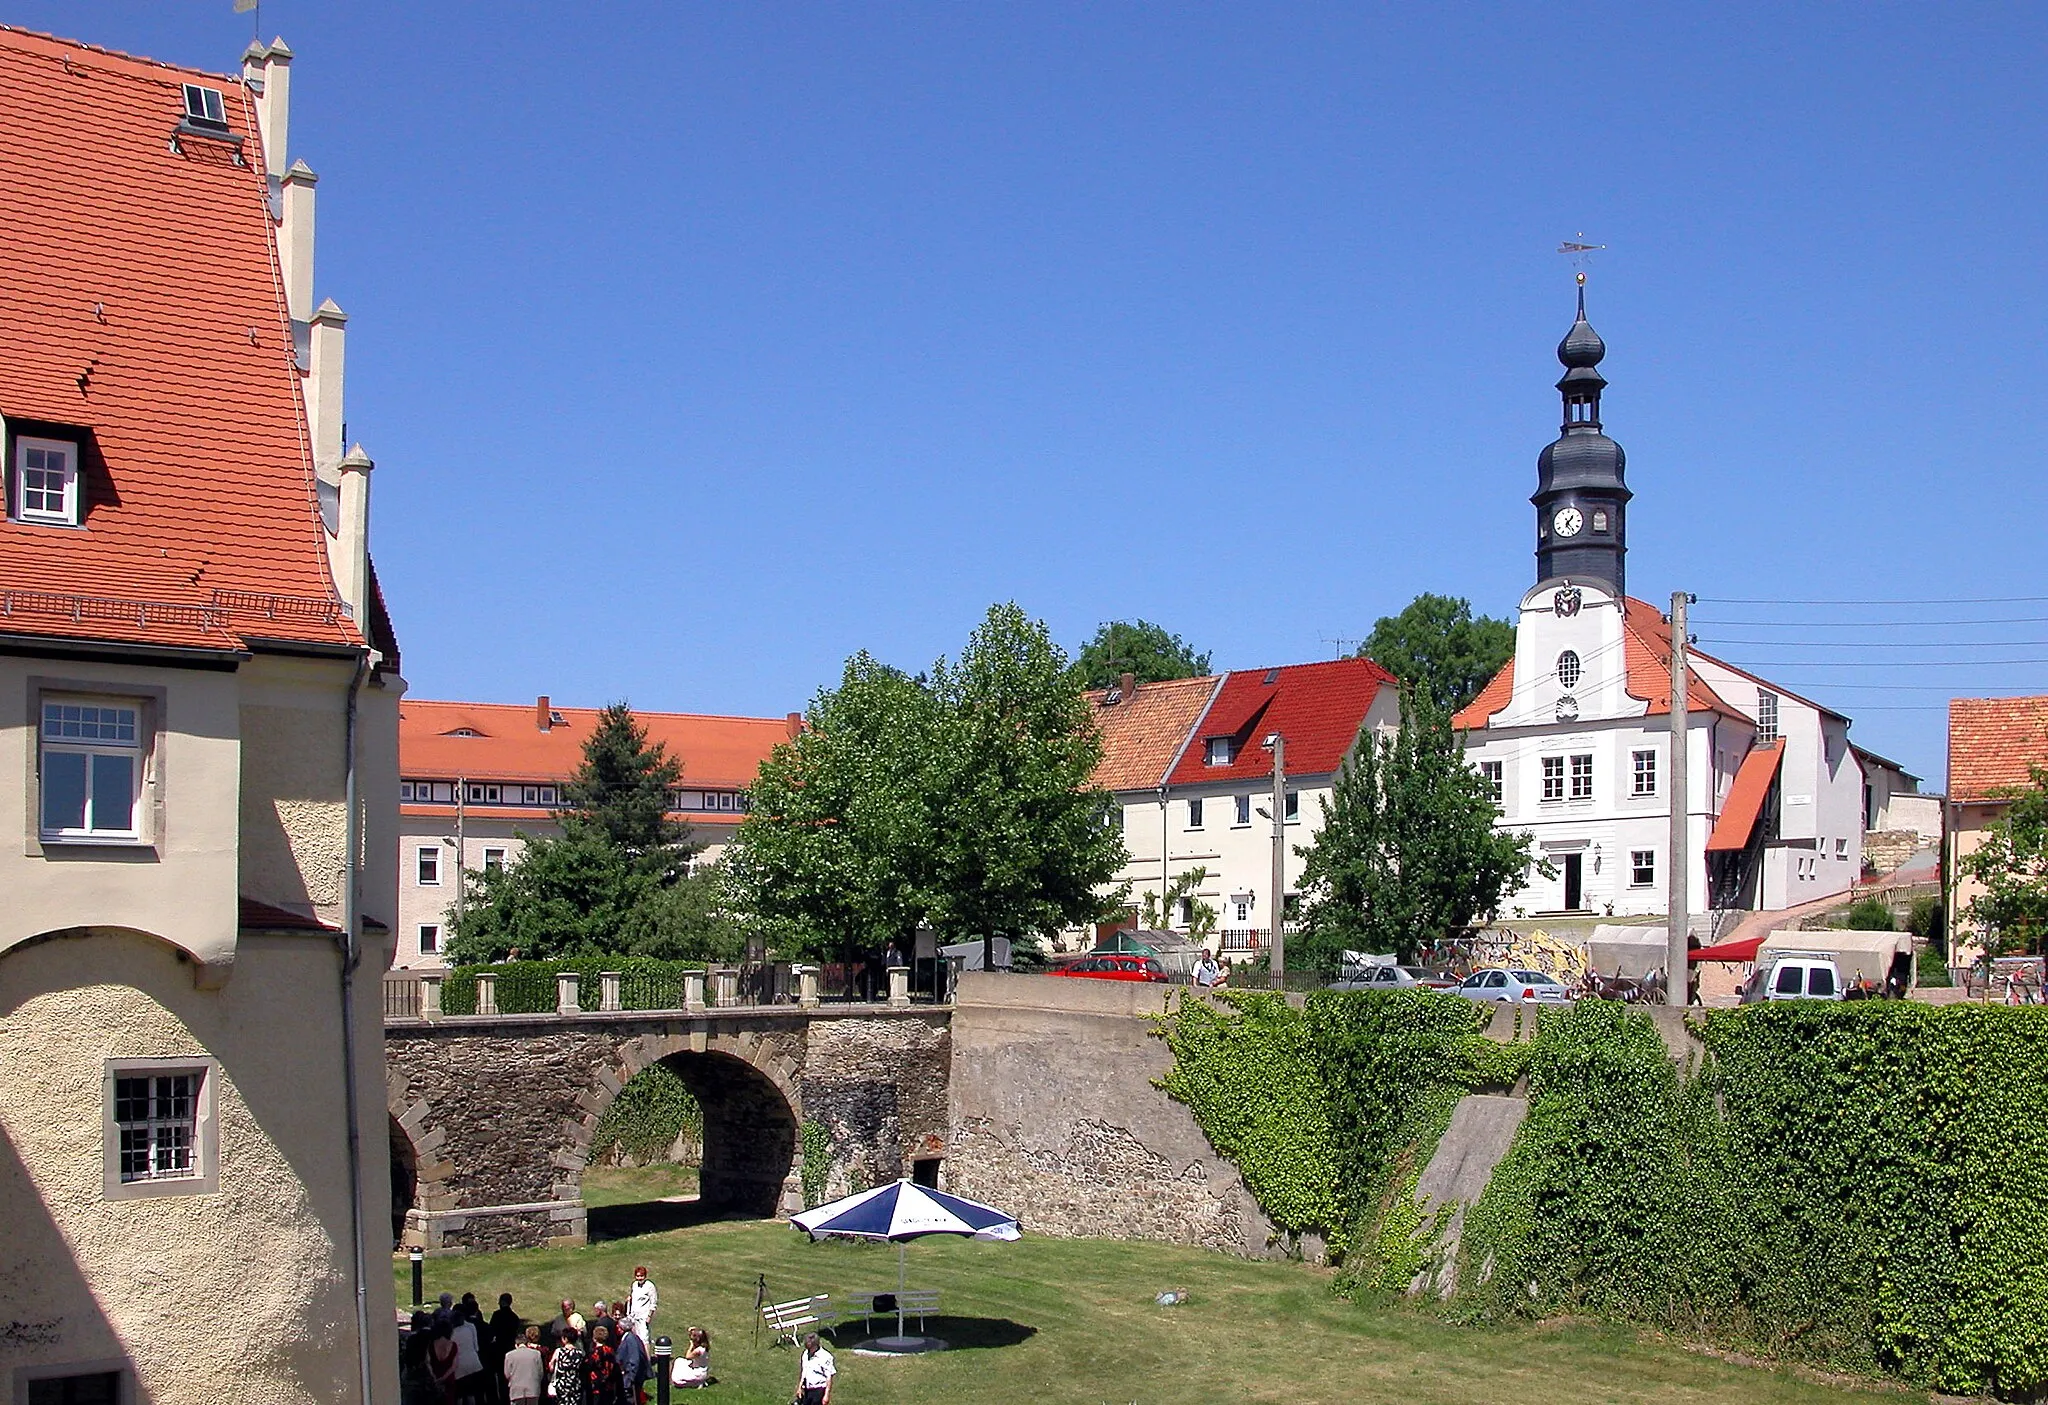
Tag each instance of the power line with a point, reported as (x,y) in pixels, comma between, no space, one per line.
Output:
(1976,600)
(1867,624)
(2018,689)
(1884,643)
(1889,663)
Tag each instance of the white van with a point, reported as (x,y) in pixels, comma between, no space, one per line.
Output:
(1796,975)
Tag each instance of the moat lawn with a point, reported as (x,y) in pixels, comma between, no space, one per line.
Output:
(1075,1321)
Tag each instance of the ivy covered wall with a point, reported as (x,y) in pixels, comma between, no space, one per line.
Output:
(1861,1184)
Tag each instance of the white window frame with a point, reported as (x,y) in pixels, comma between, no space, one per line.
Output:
(429,935)
(202,1175)
(1553,780)
(211,104)
(426,857)
(1293,815)
(494,855)
(1495,774)
(1766,716)
(1643,764)
(547,795)
(1195,812)
(1569,662)
(1582,776)
(1219,751)
(1641,862)
(1241,811)
(135,748)
(69,515)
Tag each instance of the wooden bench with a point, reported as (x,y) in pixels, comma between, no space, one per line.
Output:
(789,1321)
(916,1302)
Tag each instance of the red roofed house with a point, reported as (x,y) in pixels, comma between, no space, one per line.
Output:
(198,735)
(1992,743)
(1191,764)
(478,779)
(1574,733)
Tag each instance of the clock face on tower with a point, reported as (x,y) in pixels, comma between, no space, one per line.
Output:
(1568,522)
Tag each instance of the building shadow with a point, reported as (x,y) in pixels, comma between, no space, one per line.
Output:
(637,1217)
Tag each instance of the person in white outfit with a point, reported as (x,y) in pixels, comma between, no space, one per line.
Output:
(640,1307)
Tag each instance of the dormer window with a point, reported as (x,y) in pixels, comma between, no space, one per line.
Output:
(205,107)
(1222,751)
(46,481)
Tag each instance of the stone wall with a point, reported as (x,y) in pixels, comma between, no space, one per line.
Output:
(1057,1118)
(879,1089)
(1885,849)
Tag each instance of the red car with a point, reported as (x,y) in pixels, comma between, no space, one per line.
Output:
(1114,968)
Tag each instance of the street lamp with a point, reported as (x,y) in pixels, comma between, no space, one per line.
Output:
(1277,947)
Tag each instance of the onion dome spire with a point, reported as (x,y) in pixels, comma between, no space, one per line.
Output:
(1580,494)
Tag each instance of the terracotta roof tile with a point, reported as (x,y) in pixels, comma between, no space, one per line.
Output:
(1317,707)
(1991,742)
(1745,802)
(1646,644)
(1142,733)
(140,301)
(1497,694)
(716,752)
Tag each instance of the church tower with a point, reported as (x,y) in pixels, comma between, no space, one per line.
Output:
(1581,500)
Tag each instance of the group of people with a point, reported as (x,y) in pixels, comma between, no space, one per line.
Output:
(453,1355)
(1208,972)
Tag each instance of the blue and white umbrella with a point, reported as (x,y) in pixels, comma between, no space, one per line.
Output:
(900,1212)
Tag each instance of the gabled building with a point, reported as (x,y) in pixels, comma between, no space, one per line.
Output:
(1574,732)
(198,738)
(480,779)
(1191,764)
(1993,744)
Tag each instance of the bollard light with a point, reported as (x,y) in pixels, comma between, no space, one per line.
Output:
(419,1277)
(663,1350)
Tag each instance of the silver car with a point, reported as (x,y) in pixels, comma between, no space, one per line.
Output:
(1506,986)
(1377,978)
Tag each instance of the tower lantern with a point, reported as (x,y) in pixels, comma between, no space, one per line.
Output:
(1581,499)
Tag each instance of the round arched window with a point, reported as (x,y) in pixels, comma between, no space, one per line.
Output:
(1568,669)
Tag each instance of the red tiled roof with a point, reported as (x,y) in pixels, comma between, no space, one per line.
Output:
(1991,742)
(716,752)
(541,814)
(1142,733)
(1498,692)
(140,302)
(1745,802)
(1317,707)
(255,915)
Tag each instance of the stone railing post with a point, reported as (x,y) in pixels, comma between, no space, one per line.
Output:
(486,993)
(807,987)
(430,995)
(899,986)
(725,985)
(608,990)
(693,990)
(567,997)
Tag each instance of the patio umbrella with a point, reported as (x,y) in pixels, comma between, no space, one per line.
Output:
(900,1212)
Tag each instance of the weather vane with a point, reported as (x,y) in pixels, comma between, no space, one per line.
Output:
(1580,253)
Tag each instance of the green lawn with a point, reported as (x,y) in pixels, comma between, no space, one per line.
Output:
(629,1185)
(1073,1320)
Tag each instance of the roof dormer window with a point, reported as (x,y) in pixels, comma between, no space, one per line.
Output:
(205,107)
(46,481)
(1222,751)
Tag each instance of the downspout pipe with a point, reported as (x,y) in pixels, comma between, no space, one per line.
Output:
(350,944)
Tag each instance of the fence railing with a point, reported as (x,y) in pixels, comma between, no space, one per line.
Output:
(538,988)
(401,996)
(1234,941)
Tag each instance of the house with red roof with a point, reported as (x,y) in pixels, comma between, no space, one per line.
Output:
(479,780)
(1993,746)
(199,695)
(1574,733)
(1191,763)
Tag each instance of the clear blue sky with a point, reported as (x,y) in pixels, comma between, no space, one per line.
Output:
(701,346)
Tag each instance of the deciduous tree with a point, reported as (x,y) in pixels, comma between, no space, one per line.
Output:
(1141,648)
(1440,650)
(2012,864)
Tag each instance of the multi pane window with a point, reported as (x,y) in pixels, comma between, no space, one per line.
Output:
(1645,764)
(1766,715)
(1582,777)
(1222,751)
(205,106)
(430,866)
(46,481)
(158,1121)
(1194,814)
(1568,670)
(1642,867)
(1553,778)
(91,769)
(1494,773)
(1244,809)
(494,861)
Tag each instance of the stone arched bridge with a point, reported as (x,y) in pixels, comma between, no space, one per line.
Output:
(492,1115)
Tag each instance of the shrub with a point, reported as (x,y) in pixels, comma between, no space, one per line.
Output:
(1927,920)
(1870,915)
(644,1120)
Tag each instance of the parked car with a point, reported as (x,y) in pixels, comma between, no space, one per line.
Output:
(1506,986)
(1390,978)
(1113,968)
(1796,976)
(1176,953)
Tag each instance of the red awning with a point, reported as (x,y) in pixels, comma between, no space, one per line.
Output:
(1746,799)
(1744,950)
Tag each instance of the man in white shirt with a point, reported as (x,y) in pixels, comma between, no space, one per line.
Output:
(640,1307)
(1207,972)
(814,1374)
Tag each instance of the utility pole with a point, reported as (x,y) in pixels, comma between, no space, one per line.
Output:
(1678,880)
(1278,945)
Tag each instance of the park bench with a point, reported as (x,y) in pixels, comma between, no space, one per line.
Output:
(916,1302)
(789,1321)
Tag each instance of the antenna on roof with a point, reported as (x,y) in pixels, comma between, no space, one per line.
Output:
(1340,641)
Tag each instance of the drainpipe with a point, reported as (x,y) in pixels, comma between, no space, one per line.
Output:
(351,958)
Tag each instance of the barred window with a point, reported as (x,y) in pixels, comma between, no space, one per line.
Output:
(158,1118)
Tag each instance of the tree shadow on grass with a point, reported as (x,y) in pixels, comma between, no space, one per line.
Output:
(958,1333)
(654,1217)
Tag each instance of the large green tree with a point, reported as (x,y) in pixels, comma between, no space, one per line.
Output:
(1141,648)
(2012,864)
(1440,649)
(618,879)
(960,799)
(1408,851)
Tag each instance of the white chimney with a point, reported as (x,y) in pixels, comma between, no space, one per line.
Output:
(267,71)
(326,364)
(295,240)
(349,553)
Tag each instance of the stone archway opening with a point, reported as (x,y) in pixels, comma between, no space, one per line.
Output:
(405,1181)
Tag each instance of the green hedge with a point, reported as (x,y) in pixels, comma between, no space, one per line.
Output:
(644,1120)
(528,987)
(1863,1184)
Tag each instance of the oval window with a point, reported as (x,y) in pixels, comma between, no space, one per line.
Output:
(1568,669)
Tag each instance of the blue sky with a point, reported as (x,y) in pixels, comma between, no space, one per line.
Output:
(701,346)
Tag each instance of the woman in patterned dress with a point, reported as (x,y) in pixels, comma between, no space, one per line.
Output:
(568,1369)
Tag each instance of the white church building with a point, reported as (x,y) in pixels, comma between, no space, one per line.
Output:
(1574,733)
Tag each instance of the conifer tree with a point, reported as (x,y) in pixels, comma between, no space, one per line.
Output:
(622,786)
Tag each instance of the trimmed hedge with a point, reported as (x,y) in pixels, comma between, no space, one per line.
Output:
(528,987)
(1863,1184)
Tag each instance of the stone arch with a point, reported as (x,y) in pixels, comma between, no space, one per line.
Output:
(416,1145)
(747,1088)
(212,963)
(405,1181)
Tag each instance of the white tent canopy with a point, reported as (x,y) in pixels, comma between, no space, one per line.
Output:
(1858,955)
(1617,949)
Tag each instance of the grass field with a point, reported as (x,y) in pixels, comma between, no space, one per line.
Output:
(1074,1320)
(627,1185)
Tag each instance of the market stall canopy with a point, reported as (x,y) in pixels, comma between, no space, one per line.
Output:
(1616,949)
(1744,950)
(1867,956)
